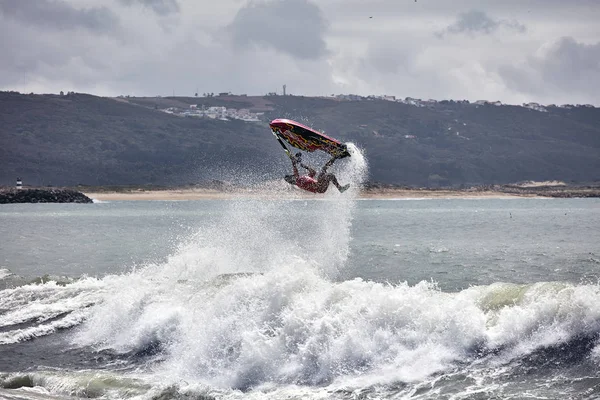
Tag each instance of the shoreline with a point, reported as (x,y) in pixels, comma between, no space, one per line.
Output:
(208,194)
(272,191)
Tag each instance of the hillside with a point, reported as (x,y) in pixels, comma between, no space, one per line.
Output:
(83,139)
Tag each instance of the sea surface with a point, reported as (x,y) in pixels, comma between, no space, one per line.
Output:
(335,298)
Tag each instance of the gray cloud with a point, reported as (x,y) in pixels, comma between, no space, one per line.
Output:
(59,15)
(152,47)
(474,21)
(569,58)
(566,66)
(388,60)
(296,27)
(40,62)
(161,7)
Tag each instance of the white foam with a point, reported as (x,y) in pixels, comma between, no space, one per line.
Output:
(5,273)
(289,326)
(21,335)
(540,315)
(80,384)
(46,293)
(40,310)
(37,303)
(595,353)
(292,325)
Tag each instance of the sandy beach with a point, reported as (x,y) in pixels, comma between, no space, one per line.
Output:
(184,194)
(208,194)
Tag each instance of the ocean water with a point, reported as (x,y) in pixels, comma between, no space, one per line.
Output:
(335,298)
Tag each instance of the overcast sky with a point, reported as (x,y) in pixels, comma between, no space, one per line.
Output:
(515,51)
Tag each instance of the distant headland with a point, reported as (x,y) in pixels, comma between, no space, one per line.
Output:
(72,139)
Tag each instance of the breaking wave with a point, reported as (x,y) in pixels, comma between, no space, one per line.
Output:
(252,306)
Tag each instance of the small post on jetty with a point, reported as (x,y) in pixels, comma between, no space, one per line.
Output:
(19,184)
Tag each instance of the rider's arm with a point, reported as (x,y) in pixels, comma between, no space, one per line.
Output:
(295,167)
(311,172)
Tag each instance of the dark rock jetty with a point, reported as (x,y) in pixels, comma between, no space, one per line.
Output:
(45,195)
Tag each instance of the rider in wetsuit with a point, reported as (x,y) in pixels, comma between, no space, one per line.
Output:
(309,182)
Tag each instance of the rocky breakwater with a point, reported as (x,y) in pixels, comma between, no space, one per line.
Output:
(45,195)
(560,191)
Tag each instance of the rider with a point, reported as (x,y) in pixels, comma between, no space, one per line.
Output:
(309,182)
